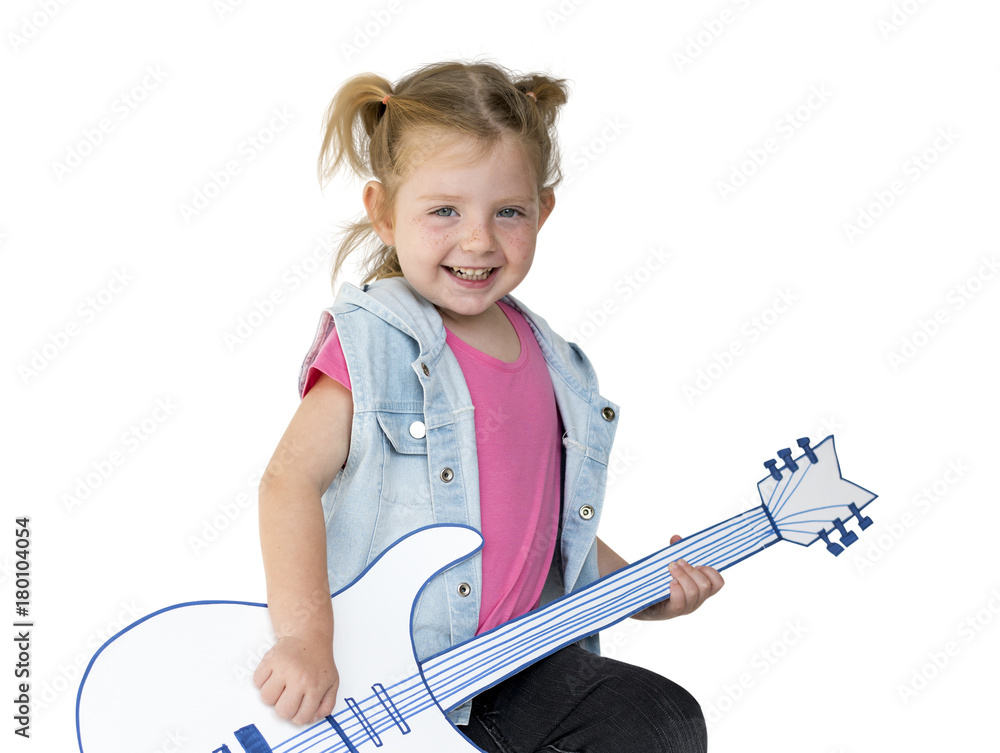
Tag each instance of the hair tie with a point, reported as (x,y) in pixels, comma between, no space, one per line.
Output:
(532,95)
(386,98)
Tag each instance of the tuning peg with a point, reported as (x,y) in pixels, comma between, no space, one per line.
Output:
(804,444)
(846,537)
(786,455)
(834,549)
(770,465)
(863,521)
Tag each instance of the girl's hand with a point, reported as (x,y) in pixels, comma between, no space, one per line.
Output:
(298,677)
(688,590)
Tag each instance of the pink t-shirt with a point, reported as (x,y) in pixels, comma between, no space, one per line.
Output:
(518,446)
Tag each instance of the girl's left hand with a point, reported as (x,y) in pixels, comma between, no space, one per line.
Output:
(690,587)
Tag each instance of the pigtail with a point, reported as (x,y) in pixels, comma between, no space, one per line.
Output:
(549,95)
(349,126)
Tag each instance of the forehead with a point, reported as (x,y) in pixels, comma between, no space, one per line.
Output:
(451,157)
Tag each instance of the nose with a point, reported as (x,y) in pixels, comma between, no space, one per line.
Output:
(478,236)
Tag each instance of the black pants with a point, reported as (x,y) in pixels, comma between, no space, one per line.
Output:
(577,702)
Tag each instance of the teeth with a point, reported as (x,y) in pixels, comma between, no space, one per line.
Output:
(471,274)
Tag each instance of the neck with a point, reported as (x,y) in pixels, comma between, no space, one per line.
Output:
(467,669)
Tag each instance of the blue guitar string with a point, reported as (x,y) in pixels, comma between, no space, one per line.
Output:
(485,649)
(588,616)
(693,546)
(791,493)
(427,702)
(628,598)
(713,543)
(644,593)
(566,632)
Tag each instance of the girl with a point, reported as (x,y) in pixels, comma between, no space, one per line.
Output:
(433,396)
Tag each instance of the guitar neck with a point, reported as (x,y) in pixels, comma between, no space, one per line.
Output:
(467,669)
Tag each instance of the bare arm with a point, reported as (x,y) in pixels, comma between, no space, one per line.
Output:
(298,676)
(688,591)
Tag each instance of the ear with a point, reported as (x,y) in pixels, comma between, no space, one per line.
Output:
(374,197)
(546,203)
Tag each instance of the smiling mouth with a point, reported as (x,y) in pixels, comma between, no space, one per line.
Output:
(467,273)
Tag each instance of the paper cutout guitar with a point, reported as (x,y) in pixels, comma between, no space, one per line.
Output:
(180,679)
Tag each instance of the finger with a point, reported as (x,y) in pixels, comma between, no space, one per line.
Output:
(271,690)
(695,585)
(327,704)
(307,709)
(674,539)
(262,673)
(679,590)
(698,576)
(288,704)
(714,577)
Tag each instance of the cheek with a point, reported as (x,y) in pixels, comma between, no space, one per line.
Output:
(427,235)
(520,242)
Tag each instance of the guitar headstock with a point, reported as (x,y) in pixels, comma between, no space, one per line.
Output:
(807,499)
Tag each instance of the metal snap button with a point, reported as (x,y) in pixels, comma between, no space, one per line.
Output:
(427,372)
(447,475)
(586,512)
(464,589)
(417,430)
(608,413)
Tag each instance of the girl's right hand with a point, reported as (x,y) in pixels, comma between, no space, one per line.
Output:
(298,677)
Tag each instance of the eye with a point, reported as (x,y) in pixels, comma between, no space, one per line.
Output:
(510,209)
(437,212)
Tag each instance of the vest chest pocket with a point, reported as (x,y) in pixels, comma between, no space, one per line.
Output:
(404,487)
(405,431)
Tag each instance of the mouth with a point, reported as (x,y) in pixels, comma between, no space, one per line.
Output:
(470,273)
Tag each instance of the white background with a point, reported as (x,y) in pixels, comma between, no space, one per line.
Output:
(667,103)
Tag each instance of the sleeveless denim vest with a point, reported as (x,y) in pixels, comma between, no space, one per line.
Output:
(402,372)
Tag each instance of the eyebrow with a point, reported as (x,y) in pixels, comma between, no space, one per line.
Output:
(509,200)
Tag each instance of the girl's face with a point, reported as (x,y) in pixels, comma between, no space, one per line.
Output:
(464,227)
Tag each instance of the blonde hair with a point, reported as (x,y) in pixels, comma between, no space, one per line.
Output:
(380,131)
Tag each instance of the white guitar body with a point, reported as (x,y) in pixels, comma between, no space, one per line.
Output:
(184,679)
